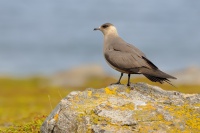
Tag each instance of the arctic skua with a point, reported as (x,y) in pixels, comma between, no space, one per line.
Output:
(128,59)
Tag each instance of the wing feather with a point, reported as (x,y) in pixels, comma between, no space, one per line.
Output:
(124,60)
(125,56)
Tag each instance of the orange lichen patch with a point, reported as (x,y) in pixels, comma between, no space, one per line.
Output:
(56,117)
(110,91)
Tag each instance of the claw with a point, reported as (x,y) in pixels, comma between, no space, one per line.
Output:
(117,83)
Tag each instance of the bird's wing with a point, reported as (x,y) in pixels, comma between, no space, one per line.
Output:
(126,61)
(127,56)
(120,45)
(133,63)
(123,60)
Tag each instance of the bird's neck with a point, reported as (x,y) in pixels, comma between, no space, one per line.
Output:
(109,39)
(111,32)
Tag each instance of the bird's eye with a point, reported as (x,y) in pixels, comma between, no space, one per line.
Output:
(105,26)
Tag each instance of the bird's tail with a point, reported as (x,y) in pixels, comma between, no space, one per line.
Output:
(157,76)
(158,79)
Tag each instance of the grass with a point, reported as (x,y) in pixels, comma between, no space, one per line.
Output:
(26,102)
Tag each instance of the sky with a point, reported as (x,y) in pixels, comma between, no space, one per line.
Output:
(45,36)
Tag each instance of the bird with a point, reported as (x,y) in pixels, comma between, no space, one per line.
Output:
(127,58)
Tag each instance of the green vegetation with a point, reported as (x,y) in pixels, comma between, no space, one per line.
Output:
(26,102)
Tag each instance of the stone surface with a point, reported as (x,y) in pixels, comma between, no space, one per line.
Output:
(120,109)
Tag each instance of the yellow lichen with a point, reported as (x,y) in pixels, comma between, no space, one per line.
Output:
(56,117)
(89,93)
(127,90)
(194,121)
(197,105)
(129,106)
(159,117)
(110,91)
(148,106)
(187,114)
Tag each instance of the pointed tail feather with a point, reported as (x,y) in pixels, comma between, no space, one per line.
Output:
(158,79)
(155,73)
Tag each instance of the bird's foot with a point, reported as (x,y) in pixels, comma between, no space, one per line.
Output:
(117,83)
(128,84)
(131,87)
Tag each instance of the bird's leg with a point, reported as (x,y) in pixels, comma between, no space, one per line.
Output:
(129,75)
(118,82)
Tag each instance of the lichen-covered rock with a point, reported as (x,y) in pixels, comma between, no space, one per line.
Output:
(120,109)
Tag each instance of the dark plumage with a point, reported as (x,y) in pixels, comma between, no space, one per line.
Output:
(126,58)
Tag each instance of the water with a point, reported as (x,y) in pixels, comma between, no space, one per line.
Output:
(43,37)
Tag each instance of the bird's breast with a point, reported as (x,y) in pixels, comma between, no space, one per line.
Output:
(116,68)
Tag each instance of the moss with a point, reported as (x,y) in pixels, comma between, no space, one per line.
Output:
(33,126)
(24,99)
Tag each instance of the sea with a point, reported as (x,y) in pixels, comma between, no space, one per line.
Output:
(47,36)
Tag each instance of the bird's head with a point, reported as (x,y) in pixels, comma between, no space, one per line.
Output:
(107,28)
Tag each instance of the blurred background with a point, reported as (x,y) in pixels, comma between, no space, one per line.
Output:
(43,37)
(52,43)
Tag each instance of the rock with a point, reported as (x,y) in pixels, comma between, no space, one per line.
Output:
(120,109)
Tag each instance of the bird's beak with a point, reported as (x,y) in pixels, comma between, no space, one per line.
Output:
(96,28)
